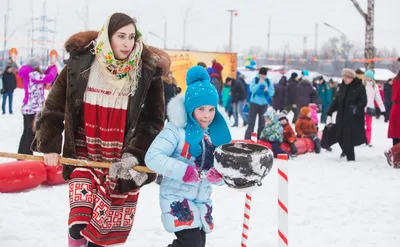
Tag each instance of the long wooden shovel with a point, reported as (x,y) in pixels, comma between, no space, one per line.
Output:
(68,161)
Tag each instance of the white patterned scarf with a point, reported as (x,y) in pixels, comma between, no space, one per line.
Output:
(124,73)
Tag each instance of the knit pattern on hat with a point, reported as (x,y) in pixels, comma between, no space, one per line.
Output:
(200,92)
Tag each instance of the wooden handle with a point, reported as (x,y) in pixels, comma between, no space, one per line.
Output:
(68,161)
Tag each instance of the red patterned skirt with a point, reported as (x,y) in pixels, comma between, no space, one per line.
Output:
(108,214)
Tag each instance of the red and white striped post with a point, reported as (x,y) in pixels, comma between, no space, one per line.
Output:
(247,207)
(246,220)
(283,201)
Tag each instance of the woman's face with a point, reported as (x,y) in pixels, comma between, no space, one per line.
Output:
(123,41)
(170,76)
(347,80)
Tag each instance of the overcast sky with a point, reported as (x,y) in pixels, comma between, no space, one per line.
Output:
(208,21)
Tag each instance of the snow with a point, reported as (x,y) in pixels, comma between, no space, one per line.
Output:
(332,203)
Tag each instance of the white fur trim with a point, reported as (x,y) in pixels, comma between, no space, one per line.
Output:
(176,111)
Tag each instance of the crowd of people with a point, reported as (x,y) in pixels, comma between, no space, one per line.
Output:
(114,76)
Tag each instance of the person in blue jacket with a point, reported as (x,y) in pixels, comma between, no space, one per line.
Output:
(262,90)
(184,154)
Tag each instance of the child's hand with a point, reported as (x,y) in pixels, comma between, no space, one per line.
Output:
(213,176)
(191,175)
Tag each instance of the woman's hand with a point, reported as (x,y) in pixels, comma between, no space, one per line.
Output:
(51,159)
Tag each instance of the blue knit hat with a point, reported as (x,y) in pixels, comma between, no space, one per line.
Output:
(201,92)
(305,72)
(370,74)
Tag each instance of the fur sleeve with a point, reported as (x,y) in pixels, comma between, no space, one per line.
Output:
(49,122)
(151,122)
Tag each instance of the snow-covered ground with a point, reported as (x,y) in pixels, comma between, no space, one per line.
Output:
(332,203)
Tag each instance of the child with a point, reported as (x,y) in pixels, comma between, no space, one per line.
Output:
(184,151)
(305,127)
(288,134)
(314,113)
(273,132)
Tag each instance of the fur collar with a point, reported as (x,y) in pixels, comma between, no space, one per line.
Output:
(81,43)
(177,114)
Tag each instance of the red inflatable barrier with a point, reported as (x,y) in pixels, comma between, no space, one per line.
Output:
(54,175)
(21,175)
(304,145)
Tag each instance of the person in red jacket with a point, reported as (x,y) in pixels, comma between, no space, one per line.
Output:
(393,155)
(305,128)
(288,134)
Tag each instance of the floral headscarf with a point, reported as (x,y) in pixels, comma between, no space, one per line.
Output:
(119,72)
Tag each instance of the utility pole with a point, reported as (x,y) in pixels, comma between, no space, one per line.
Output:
(305,46)
(369,17)
(43,30)
(316,39)
(231,11)
(269,37)
(5,34)
(184,28)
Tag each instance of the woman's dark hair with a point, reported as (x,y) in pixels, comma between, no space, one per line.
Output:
(119,20)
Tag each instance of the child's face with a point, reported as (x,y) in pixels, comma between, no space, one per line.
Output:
(309,115)
(283,121)
(204,115)
(267,121)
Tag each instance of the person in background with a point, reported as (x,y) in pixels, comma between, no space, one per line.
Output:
(273,132)
(289,136)
(373,95)
(238,96)
(333,87)
(350,103)
(325,94)
(1,81)
(226,98)
(305,128)
(171,88)
(314,113)
(290,97)
(305,93)
(360,74)
(262,90)
(278,101)
(34,82)
(202,64)
(387,92)
(9,85)
(216,77)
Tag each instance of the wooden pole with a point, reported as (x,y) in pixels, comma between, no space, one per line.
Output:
(69,161)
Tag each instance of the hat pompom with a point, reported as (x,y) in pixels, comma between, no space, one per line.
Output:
(195,74)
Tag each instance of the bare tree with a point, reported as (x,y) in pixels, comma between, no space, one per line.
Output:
(85,16)
(369,17)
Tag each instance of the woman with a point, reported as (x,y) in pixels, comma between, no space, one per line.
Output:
(34,82)
(373,95)
(9,85)
(111,100)
(350,103)
(394,123)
